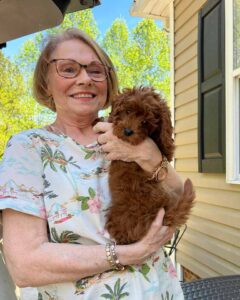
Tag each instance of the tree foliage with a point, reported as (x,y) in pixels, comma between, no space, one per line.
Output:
(141,57)
(16,110)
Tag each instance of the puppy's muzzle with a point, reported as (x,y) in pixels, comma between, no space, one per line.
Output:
(128,131)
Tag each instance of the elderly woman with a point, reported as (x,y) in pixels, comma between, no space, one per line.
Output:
(54,183)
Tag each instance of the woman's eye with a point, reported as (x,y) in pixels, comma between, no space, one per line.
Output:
(128,111)
(95,71)
(69,70)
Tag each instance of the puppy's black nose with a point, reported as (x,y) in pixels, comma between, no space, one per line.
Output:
(128,131)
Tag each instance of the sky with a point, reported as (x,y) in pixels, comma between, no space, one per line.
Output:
(104,14)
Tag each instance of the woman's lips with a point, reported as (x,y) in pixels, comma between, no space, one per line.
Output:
(83,96)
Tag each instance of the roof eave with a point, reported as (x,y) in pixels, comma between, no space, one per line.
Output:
(151,9)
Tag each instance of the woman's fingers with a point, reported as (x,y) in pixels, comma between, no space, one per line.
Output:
(102,127)
(158,235)
(157,224)
(114,148)
(104,138)
(117,149)
(105,133)
(157,230)
(159,217)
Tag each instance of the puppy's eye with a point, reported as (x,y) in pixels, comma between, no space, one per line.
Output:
(144,123)
(128,111)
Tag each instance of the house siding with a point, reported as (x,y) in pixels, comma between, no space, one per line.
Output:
(211,245)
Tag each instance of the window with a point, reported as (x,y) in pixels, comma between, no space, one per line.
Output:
(232,34)
(211,88)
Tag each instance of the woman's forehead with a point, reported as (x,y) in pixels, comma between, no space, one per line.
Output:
(74,49)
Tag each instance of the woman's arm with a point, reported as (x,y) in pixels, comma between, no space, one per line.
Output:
(34,261)
(146,154)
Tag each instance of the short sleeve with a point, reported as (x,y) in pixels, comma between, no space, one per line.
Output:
(21,181)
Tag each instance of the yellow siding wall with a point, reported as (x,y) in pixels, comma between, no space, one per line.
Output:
(211,245)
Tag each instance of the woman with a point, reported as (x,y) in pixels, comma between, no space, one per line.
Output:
(55,189)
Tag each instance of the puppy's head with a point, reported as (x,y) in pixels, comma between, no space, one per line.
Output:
(138,113)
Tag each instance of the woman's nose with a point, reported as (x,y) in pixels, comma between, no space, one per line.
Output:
(83,77)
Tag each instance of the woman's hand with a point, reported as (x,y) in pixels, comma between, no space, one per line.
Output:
(115,148)
(146,154)
(157,236)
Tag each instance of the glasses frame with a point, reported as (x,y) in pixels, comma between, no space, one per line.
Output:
(55,60)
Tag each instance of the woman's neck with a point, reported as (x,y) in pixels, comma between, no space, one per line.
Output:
(79,130)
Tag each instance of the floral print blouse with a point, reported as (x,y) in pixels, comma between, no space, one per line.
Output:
(51,176)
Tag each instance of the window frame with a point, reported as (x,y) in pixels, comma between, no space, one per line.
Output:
(232,103)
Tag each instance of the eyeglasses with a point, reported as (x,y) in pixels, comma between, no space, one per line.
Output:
(69,68)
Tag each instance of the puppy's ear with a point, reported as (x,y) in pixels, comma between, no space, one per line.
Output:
(163,136)
(117,106)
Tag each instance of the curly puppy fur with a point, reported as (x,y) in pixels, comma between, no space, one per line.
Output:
(136,114)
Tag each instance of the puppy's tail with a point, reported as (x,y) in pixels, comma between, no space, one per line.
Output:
(185,204)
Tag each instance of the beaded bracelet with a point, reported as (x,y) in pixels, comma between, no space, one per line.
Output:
(112,258)
(162,165)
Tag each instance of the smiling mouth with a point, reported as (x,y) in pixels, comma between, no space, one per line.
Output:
(81,96)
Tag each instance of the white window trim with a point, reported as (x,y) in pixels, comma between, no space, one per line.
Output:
(232,103)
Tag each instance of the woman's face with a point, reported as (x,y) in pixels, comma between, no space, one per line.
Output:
(79,96)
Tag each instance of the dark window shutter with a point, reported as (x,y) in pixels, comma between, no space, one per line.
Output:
(211,87)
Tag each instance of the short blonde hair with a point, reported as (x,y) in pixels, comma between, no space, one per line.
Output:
(40,88)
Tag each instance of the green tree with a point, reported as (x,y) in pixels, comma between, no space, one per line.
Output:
(16,110)
(116,43)
(140,56)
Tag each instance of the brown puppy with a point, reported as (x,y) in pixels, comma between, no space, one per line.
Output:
(139,113)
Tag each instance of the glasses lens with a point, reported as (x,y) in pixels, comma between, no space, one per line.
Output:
(67,68)
(96,71)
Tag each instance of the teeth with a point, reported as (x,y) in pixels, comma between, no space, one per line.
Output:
(83,96)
